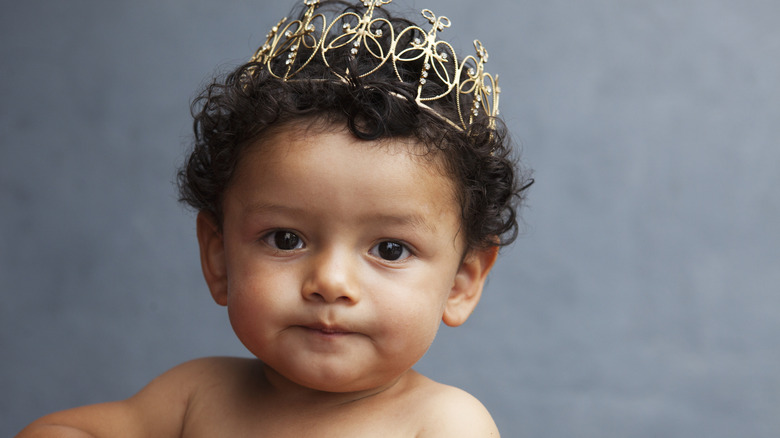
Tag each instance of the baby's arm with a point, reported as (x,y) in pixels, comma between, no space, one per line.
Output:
(93,421)
(157,410)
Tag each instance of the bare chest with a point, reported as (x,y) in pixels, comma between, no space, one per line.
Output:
(208,419)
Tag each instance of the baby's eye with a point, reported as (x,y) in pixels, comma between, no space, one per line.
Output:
(283,240)
(390,250)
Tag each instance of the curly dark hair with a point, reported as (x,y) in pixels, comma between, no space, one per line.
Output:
(249,104)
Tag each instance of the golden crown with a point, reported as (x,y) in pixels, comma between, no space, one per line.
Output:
(291,46)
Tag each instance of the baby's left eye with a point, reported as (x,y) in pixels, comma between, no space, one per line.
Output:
(390,250)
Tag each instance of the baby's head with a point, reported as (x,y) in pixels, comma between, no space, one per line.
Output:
(457,132)
(352,193)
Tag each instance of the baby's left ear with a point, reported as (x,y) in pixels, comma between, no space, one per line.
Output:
(467,288)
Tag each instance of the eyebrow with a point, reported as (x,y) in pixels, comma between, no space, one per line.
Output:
(413,220)
(263,207)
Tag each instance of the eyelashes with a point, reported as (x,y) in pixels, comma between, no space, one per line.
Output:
(283,240)
(390,250)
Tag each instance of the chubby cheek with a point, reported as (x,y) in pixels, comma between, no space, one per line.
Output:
(410,326)
(253,309)
(245,320)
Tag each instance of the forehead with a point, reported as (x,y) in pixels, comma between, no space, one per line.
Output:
(315,139)
(305,164)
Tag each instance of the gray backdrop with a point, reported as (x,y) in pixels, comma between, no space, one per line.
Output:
(641,301)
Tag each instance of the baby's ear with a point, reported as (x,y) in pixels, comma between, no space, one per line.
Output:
(212,256)
(467,288)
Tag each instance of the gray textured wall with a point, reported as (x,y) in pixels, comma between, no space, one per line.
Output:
(642,300)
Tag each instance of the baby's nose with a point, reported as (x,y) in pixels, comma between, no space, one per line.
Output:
(331,278)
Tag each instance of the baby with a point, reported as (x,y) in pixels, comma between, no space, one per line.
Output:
(353,186)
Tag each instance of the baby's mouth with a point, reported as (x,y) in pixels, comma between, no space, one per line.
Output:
(327,330)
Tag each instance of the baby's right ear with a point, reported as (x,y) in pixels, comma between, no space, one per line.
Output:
(212,256)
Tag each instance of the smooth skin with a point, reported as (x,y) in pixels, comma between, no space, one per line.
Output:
(337,259)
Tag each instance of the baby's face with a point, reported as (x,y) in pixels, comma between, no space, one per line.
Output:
(340,257)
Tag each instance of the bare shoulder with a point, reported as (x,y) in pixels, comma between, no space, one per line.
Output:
(158,409)
(201,371)
(177,386)
(453,412)
(171,397)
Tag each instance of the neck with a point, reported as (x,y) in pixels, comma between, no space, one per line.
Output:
(285,389)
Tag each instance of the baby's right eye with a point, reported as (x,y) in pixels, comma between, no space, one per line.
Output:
(283,240)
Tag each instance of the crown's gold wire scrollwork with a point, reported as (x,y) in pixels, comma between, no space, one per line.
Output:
(480,84)
(435,54)
(299,41)
(365,35)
